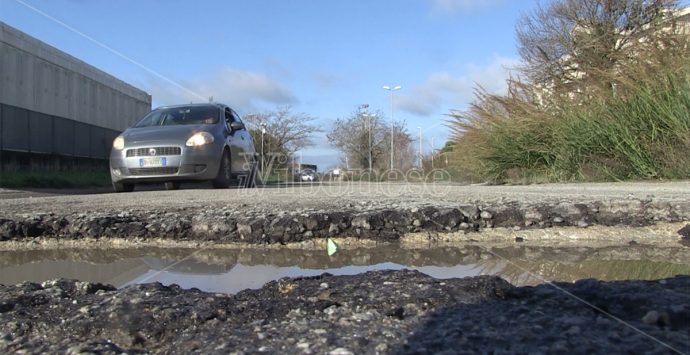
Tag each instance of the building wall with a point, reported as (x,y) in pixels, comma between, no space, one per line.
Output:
(54,104)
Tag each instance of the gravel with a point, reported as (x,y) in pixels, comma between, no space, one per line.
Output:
(376,312)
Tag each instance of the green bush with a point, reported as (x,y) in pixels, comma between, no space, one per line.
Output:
(644,134)
(641,130)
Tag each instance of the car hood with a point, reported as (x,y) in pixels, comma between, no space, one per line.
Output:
(161,133)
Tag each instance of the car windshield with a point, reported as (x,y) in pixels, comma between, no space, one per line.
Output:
(180,116)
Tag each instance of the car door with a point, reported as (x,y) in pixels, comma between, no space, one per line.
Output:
(235,140)
(248,144)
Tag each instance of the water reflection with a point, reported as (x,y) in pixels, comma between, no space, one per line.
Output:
(232,270)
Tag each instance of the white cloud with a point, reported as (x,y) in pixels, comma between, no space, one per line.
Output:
(243,90)
(442,91)
(451,6)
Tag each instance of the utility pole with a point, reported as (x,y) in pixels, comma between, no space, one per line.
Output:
(369,116)
(421,162)
(433,152)
(263,131)
(392,89)
(369,125)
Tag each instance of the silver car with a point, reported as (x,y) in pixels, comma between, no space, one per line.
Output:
(308,175)
(172,144)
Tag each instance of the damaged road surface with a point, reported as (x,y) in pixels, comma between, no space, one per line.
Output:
(382,311)
(375,312)
(380,212)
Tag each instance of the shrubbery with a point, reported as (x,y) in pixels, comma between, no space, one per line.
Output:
(630,120)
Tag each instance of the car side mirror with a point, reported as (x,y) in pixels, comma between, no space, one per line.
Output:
(236,126)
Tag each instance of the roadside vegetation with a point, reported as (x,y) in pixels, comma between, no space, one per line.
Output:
(364,140)
(58,179)
(603,94)
(284,133)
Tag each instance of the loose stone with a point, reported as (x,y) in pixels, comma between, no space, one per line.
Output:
(652,317)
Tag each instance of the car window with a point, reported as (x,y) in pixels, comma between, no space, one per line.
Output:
(236,116)
(228,116)
(180,116)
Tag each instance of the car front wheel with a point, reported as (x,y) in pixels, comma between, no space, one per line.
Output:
(123,187)
(172,185)
(224,176)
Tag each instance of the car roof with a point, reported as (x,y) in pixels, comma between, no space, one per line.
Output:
(207,104)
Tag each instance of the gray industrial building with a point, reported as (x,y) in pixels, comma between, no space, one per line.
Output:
(57,112)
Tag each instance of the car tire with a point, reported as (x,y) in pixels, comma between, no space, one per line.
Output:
(224,175)
(172,185)
(123,187)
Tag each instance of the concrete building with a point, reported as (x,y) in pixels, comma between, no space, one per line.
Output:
(57,112)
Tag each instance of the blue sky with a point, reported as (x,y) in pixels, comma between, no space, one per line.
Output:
(322,57)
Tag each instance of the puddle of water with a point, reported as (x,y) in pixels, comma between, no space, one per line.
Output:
(232,270)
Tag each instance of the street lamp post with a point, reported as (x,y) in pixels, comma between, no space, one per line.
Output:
(365,113)
(433,152)
(369,116)
(392,89)
(421,163)
(263,131)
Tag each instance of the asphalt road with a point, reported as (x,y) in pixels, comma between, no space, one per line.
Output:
(332,195)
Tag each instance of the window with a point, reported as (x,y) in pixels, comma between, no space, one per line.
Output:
(180,116)
(228,116)
(236,116)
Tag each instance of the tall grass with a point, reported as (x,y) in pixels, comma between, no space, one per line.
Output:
(637,129)
(644,134)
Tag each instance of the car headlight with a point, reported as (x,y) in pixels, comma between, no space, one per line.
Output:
(199,139)
(119,143)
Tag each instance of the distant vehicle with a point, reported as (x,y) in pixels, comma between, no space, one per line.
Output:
(195,142)
(308,175)
(333,175)
(311,167)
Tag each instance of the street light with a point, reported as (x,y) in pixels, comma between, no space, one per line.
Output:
(263,131)
(433,152)
(421,163)
(369,116)
(392,89)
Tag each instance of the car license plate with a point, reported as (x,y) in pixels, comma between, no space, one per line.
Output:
(152,162)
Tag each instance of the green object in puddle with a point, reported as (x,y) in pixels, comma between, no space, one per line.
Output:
(332,247)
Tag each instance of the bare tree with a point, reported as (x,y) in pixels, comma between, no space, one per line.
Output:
(351,135)
(286,132)
(404,154)
(569,45)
